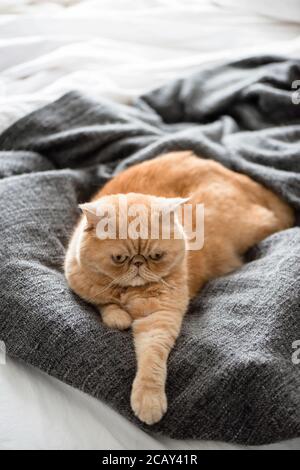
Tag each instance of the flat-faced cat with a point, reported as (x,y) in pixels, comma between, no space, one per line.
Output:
(147,282)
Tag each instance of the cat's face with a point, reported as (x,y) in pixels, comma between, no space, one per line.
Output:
(134,260)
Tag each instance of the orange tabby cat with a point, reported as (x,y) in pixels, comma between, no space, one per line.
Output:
(147,283)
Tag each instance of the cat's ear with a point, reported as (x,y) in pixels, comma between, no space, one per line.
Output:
(89,209)
(170,204)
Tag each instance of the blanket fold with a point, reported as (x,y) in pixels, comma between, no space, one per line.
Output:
(233,374)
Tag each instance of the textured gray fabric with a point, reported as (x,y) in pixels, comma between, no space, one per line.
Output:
(231,375)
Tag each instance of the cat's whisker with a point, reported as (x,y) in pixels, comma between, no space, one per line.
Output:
(111,284)
(155,278)
(123,278)
(151,277)
(167,284)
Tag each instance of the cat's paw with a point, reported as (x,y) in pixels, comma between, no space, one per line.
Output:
(148,404)
(117,318)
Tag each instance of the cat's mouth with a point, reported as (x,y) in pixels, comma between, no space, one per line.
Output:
(138,281)
(139,277)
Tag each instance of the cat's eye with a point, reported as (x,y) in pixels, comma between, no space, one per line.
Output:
(119,259)
(156,256)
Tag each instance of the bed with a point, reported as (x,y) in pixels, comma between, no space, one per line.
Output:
(49,48)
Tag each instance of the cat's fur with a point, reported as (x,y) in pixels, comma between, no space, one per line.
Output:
(153,297)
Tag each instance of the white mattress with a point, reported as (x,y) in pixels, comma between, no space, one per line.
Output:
(116,49)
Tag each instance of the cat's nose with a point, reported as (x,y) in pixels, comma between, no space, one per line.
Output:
(138,261)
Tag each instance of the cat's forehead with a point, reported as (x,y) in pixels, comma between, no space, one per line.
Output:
(133,203)
(138,245)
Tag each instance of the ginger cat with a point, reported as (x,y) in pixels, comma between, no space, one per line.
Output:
(147,283)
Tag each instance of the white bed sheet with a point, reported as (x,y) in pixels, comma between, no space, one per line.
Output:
(117,49)
(40,412)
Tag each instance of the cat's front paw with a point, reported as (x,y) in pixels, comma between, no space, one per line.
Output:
(116,318)
(149,404)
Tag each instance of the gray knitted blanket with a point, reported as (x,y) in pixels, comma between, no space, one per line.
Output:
(234,374)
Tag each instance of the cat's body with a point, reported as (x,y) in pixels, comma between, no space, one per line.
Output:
(153,294)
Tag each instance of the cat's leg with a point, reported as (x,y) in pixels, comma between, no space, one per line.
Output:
(115,317)
(154,337)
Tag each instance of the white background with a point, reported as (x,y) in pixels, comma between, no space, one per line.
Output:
(117,49)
